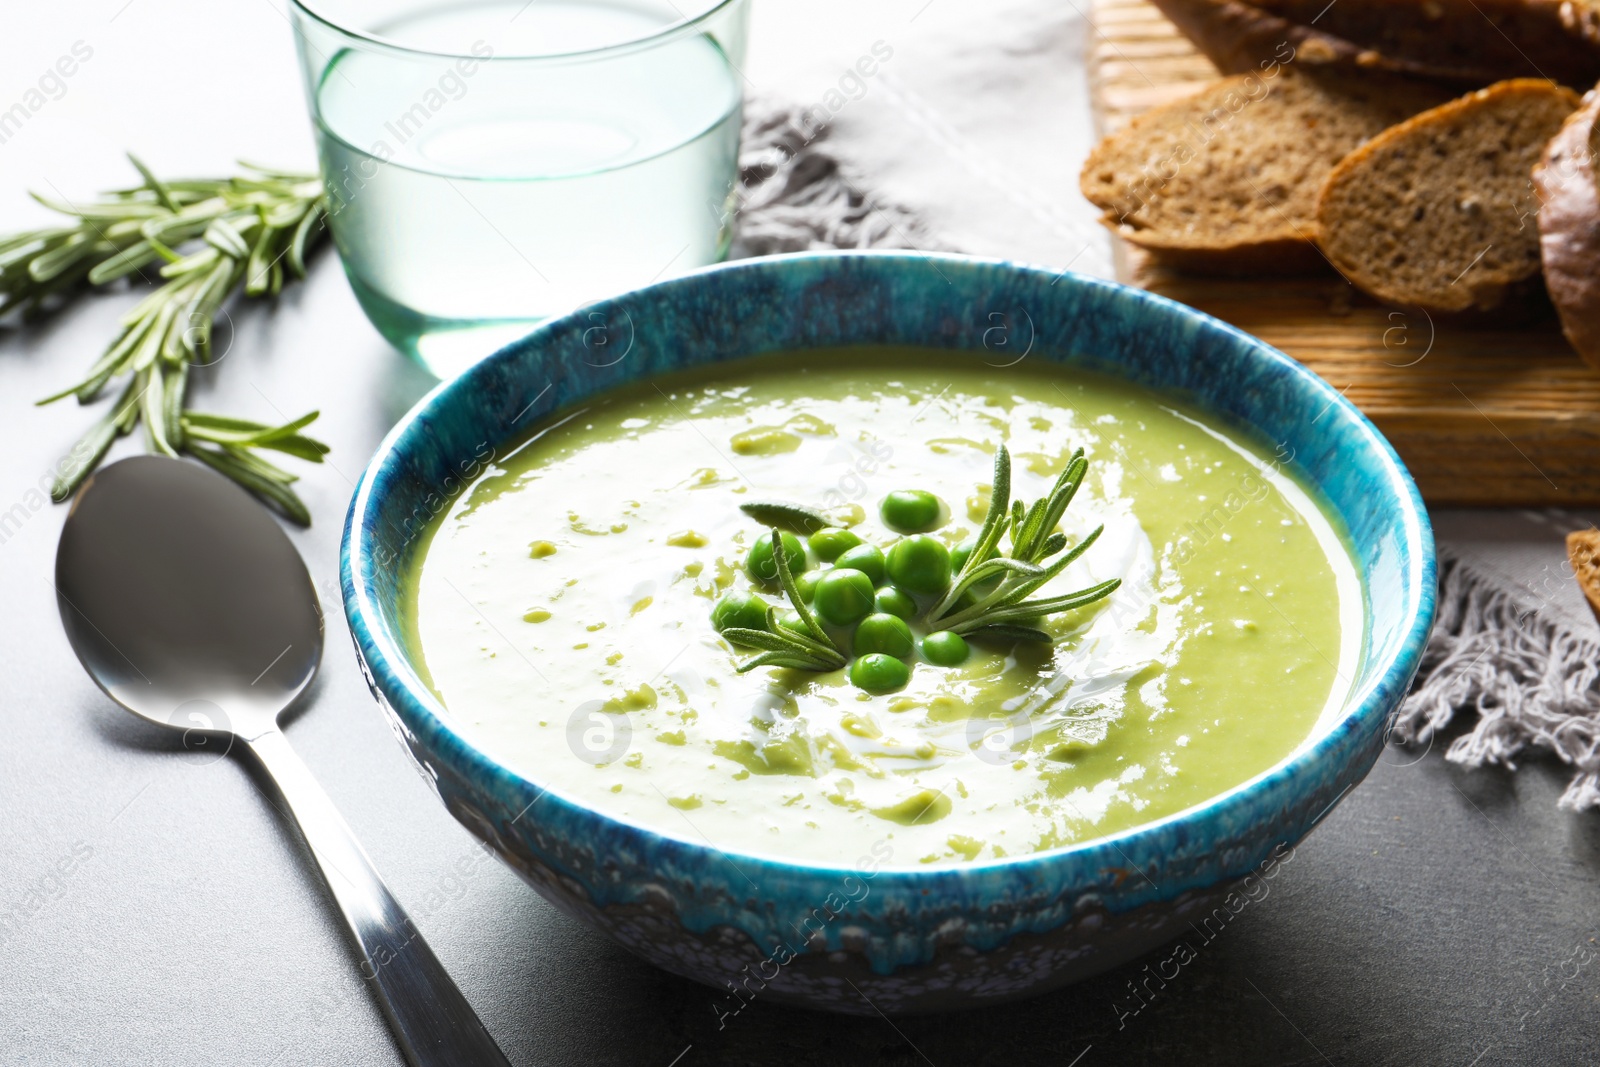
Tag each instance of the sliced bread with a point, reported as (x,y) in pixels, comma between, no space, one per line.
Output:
(1241,37)
(1465,42)
(1439,211)
(1583,551)
(1228,178)
(1569,228)
(1479,41)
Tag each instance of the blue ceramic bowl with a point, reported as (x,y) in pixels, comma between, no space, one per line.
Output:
(854,938)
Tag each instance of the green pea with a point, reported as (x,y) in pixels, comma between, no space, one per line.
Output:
(961,553)
(791,620)
(761,565)
(830,543)
(807,584)
(945,648)
(843,596)
(910,510)
(877,673)
(739,611)
(867,559)
(891,601)
(920,565)
(883,633)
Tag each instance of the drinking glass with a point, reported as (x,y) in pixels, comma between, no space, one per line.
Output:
(491,164)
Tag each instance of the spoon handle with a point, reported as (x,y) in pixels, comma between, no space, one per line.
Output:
(432,1022)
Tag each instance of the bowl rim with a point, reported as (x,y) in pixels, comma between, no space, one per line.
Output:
(419,710)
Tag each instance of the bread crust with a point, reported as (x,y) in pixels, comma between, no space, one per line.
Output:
(1569,228)
(1238,36)
(1278,258)
(1583,551)
(1480,293)
(1134,169)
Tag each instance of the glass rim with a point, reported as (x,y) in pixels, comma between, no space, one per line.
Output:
(672,30)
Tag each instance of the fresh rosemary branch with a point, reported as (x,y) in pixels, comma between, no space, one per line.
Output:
(1003,610)
(813,650)
(251,232)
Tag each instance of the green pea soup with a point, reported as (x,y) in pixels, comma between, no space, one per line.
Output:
(561,609)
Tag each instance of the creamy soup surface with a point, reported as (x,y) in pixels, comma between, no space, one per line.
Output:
(562,606)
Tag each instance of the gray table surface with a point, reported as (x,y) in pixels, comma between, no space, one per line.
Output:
(154,909)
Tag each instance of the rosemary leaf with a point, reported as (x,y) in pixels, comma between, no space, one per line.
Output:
(1007,632)
(1030,610)
(222,236)
(150,345)
(781,659)
(999,501)
(308,225)
(769,640)
(795,517)
(792,591)
(153,394)
(125,262)
(152,183)
(236,465)
(109,365)
(201,260)
(1023,537)
(245,428)
(288,429)
(21,247)
(91,448)
(775,640)
(177,383)
(1056,503)
(117,211)
(63,257)
(299,446)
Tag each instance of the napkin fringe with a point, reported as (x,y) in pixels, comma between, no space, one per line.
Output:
(795,195)
(1534,685)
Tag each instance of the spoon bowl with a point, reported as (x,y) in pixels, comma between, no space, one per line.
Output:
(190,607)
(184,600)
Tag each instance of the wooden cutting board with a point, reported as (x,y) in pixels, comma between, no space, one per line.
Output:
(1480,416)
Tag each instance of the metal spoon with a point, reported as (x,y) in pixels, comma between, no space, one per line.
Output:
(187,604)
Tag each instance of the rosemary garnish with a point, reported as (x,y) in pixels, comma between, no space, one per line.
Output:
(813,650)
(1003,610)
(987,596)
(255,229)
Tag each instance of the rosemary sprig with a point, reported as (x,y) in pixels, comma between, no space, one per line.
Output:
(813,650)
(252,232)
(1003,610)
